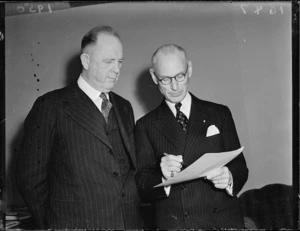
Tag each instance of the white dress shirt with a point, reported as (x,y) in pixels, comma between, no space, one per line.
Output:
(186,104)
(91,92)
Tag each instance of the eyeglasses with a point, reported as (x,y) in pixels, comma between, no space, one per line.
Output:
(167,80)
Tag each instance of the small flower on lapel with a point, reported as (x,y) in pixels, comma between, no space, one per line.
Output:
(212,130)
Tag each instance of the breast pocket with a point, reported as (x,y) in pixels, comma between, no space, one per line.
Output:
(213,143)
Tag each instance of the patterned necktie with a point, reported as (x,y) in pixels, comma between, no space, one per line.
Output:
(181,117)
(105,106)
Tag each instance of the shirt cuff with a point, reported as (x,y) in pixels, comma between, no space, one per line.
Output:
(167,188)
(229,188)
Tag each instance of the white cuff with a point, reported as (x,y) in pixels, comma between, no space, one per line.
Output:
(229,188)
(167,188)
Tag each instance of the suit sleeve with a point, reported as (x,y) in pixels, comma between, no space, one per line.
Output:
(237,166)
(34,157)
(149,172)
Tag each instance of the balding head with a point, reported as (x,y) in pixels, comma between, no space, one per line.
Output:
(171,71)
(167,50)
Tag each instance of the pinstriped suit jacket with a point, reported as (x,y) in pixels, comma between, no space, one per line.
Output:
(197,203)
(67,171)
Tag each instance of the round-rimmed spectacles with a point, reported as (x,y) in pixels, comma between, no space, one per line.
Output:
(166,80)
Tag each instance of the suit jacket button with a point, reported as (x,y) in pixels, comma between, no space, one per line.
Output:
(115,174)
(215,210)
(182,186)
(110,152)
(186,214)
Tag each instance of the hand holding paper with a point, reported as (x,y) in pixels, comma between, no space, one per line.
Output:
(220,177)
(203,166)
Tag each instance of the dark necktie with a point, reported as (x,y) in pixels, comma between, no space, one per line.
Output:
(105,106)
(181,117)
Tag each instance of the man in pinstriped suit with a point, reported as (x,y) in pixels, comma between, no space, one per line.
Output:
(175,134)
(77,165)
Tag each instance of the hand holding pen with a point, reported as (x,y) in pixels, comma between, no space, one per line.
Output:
(171,165)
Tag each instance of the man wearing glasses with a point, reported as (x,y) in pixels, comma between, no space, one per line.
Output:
(175,134)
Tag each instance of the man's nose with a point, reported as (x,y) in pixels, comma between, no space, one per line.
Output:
(117,67)
(174,84)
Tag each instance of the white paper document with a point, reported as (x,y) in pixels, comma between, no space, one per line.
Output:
(202,166)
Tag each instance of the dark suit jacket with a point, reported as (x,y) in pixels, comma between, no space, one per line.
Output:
(197,203)
(67,171)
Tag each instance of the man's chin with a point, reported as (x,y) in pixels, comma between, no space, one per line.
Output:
(110,86)
(175,98)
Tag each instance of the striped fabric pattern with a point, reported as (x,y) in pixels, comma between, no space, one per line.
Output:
(194,204)
(68,174)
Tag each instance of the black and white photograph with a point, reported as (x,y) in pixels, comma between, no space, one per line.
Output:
(155,115)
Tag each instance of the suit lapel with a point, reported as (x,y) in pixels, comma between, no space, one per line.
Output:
(80,107)
(121,115)
(169,127)
(198,124)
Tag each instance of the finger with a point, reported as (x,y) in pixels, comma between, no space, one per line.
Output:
(214,173)
(173,163)
(220,186)
(166,175)
(174,169)
(224,176)
(172,173)
(170,164)
(222,181)
(221,177)
(173,157)
(164,159)
(169,174)
(168,168)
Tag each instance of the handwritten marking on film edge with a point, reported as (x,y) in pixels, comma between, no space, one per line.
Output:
(34,8)
(246,9)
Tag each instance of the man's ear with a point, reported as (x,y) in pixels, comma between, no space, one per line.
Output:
(190,69)
(85,60)
(153,76)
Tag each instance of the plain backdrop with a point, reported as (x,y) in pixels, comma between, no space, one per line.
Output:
(241,55)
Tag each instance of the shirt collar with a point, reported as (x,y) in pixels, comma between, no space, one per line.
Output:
(185,107)
(91,92)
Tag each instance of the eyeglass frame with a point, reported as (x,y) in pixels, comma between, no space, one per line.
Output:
(170,78)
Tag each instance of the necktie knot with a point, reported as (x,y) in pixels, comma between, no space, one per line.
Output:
(105,106)
(181,117)
(178,106)
(103,96)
